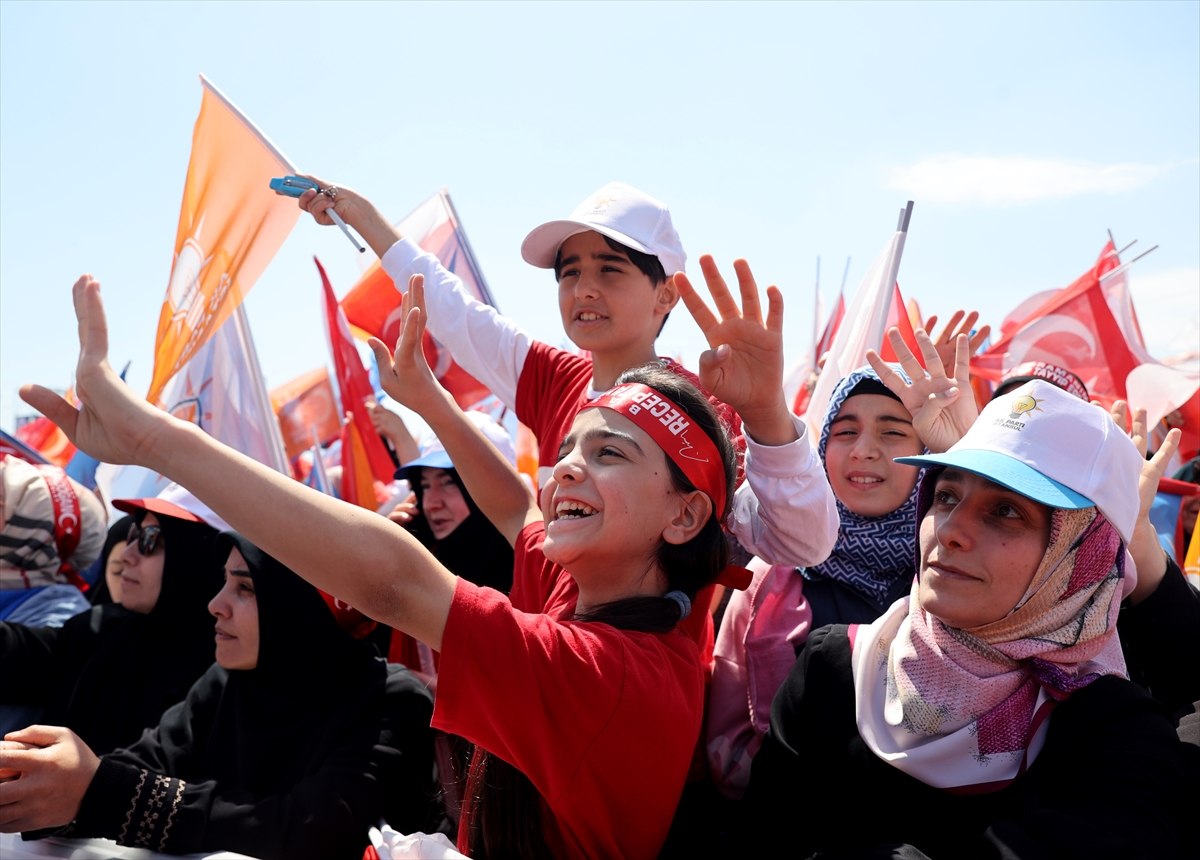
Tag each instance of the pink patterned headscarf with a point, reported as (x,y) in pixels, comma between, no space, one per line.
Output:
(967,708)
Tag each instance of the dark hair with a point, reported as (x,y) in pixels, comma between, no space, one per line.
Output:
(505,818)
(648,264)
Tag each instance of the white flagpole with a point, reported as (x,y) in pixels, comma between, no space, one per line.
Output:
(876,338)
(274,436)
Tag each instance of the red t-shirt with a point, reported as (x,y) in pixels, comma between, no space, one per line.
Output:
(603,721)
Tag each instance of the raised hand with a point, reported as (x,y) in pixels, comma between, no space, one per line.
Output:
(353,208)
(942,406)
(406,511)
(744,366)
(112,424)
(1149,558)
(947,341)
(405,375)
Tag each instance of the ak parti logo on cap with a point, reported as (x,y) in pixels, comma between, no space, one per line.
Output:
(1020,410)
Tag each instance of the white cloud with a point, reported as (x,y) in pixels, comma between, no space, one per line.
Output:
(1168,309)
(991,180)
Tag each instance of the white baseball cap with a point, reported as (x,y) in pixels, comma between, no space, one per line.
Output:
(1048,445)
(620,212)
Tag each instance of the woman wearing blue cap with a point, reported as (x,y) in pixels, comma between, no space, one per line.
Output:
(989,713)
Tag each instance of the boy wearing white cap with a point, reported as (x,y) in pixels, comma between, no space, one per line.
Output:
(614,259)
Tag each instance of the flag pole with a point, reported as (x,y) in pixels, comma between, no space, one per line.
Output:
(816,312)
(458,228)
(893,270)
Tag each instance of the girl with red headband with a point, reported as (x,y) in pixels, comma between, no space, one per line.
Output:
(581,693)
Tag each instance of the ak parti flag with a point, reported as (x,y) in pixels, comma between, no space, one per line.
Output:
(221,390)
(1087,327)
(373,304)
(230,226)
(306,408)
(364,457)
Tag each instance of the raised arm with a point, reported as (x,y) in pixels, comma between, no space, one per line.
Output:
(352,553)
(486,344)
(499,491)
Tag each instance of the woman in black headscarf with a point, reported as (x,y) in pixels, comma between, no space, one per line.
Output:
(105,574)
(297,741)
(111,671)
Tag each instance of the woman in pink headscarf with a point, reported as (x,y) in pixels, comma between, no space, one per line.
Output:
(989,713)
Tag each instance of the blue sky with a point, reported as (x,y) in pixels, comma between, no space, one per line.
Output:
(778,132)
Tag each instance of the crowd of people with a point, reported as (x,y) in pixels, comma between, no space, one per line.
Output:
(957,633)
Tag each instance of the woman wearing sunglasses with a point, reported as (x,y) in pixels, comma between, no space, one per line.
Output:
(112,670)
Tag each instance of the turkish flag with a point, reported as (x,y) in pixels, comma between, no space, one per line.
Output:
(1087,327)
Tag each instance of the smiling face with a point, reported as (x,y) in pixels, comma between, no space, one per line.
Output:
(608,306)
(608,505)
(442,502)
(142,575)
(867,433)
(980,547)
(236,609)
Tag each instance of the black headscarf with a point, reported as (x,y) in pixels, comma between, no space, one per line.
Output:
(117,532)
(475,550)
(296,757)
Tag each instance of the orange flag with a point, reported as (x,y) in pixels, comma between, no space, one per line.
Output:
(306,406)
(230,226)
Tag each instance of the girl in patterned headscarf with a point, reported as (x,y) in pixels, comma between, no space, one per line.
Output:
(765,626)
(990,714)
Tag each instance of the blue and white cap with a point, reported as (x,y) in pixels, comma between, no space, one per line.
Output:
(1050,446)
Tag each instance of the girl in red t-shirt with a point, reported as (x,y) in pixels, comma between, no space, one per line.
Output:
(631,515)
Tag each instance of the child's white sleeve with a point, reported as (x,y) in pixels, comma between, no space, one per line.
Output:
(785,511)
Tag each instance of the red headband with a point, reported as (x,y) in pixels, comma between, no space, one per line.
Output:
(673,430)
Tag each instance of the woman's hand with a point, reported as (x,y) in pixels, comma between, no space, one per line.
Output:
(55,766)
(112,424)
(942,406)
(744,366)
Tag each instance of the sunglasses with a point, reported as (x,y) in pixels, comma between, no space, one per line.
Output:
(149,538)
